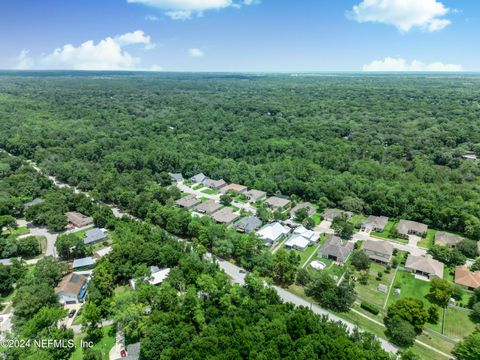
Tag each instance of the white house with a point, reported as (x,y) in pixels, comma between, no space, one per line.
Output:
(272,232)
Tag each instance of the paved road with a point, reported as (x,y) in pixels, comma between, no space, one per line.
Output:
(238,277)
(51,238)
(404,247)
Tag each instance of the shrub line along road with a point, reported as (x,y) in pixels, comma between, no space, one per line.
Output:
(237,274)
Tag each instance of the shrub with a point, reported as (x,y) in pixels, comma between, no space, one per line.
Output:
(369,307)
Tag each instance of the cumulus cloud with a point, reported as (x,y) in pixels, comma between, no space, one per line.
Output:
(195,52)
(23,61)
(186,9)
(403,14)
(400,64)
(107,54)
(151,18)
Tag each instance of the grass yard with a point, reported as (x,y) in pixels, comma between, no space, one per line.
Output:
(317,218)
(203,199)
(357,220)
(427,241)
(234,207)
(305,254)
(458,323)
(370,291)
(81,234)
(241,198)
(385,234)
(210,192)
(104,345)
(409,287)
(198,187)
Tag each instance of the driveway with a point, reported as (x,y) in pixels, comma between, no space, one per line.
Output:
(51,238)
(404,247)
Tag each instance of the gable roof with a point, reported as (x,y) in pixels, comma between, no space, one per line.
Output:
(187,201)
(465,277)
(225,215)
(376,222)
(381,247)
(272,231)
(248,224)
(234,187)
(86,261)
(303,231)
(407,226)
(199,178)
(277,201)
(444,238)
(78,219)
(333,213)
(425,264)
(176,177)
(255,194)
(337,247)
(214,183)
(94,235)
(71,283)
(297,241)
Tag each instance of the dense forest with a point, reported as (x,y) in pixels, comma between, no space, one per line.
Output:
(389,145)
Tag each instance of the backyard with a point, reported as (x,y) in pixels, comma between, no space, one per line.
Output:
(427,241)
(370,292)
(105,344)
(209,191)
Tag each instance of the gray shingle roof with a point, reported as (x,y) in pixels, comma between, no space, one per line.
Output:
(248,224)
(406,227)
(94,235)
(225,215)
(381,247)
(83,262)
(337,247)
(446,239)
(187,201)
(277,202)
(310,208)
(376,222)
(330,214)
(176,177)
(199,178)
(208,207)
(425,264)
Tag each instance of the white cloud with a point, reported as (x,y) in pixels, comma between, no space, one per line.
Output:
(107,54)
(186,9)
(195,52)
(400,64)
(151,18)
(403,14)
(23,61)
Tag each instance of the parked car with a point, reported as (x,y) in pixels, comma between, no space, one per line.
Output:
(72,312)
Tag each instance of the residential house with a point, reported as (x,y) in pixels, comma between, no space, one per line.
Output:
(375,223)
(84,263)
(187,202)
(336,249)
(446,239)
(305,205)
(199,178)
(214,184)
(225,216)
(379,251)
(297,242)
(466,278)
(36,201)
(240,189)
(71,289)
(310,235)
(157,276)
(272,232)
(330,214)
(255,195)
(94,235)
(408,227)
(78,219)
(104,251)
(277,202)
(208,207)
(176,177)
(248,224)
(424,265)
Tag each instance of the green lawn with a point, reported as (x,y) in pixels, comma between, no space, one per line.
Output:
(385,234)
(458,324)
(198,187)
(304,255)
(234,207)
(104,345)
(357,220)
(409,287)
(370,291)
(317,218)
(17,232)
(427,241)
(203,199)
(241,198)
(210,192)
(81,234)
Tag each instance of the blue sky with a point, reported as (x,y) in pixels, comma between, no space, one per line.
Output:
(240,35)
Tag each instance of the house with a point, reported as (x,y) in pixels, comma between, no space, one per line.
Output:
(407,227)
(277,202)
(199,178)
(379,251)
(446,239)
(297,242)
(208,207)
(36,201)
(157,276)
(272,232)
(187,202)
(375,223)
(331,214)
(104,251)
(466,278)
(240,189)
(78,220)
(306,205)
(424,265)
(93,236)
(248,224)
(225,216)
(176,177)
(71,289)
(471,157)
(336,249)
(214,184)
(83,263)
(255,195)
(307,234)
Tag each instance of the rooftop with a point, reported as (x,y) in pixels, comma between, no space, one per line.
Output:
(272,231)
(225,215)
(277,202)
(446,239)
(465,277)
(94,235)
(234,187)
(297,241)
(176,177)
(381,247)
(376,222)
(187,201)
(86,261)
(337,247)
(248,224)
(208,207)
(405,227)
(36,201)
(310,208)
(71,283)
(199,178)
(425,264)
(255,194)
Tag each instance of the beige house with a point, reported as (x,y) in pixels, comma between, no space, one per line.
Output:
(408,227)
(188,201)
(375,223)
(225,215)
(277,202)
(208,207)
(446,239)
(424,265)
(379,251)
(78,219)
(255,195)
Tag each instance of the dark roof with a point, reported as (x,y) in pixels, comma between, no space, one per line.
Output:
(199,178)
(248,224)
(337,247)
(72,283)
